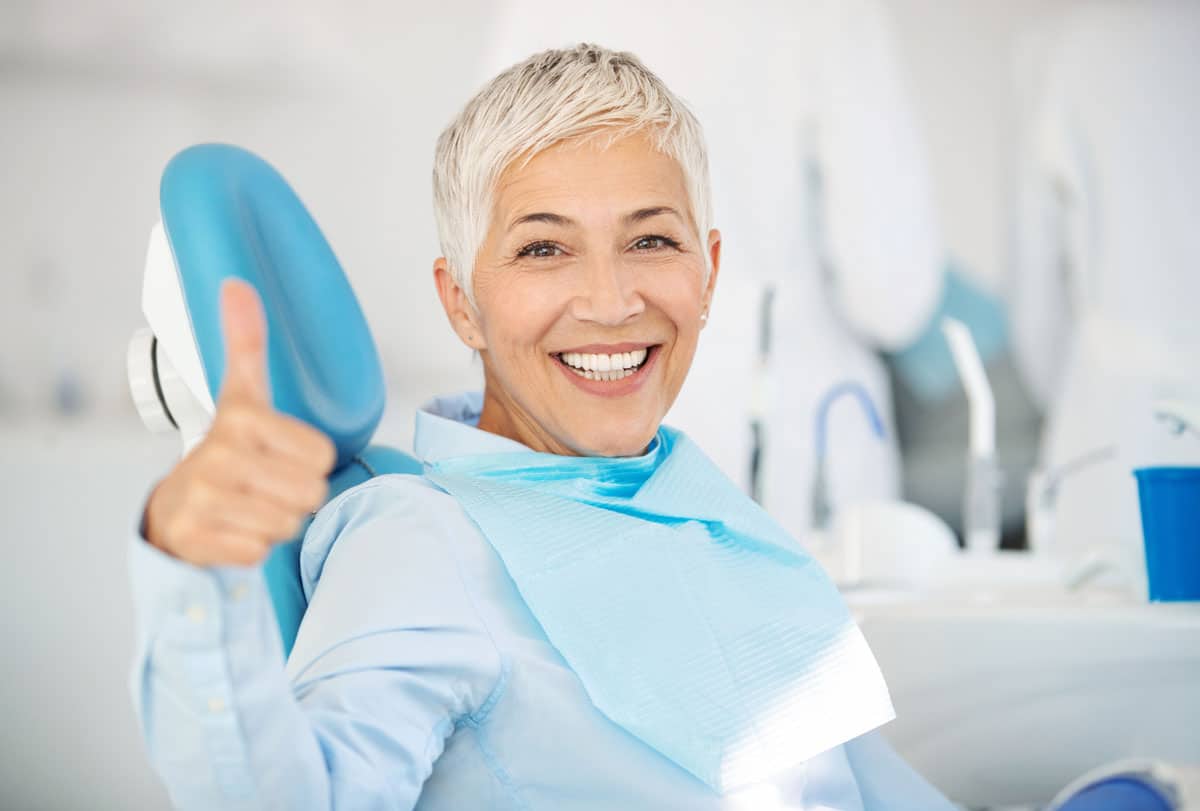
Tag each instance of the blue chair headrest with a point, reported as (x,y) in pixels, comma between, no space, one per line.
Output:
(227,212)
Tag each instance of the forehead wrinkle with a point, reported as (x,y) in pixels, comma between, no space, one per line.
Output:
(651,212)
(516,194)
(533,186)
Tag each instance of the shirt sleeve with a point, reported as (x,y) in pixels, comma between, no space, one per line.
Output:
(886,781)
(390,657)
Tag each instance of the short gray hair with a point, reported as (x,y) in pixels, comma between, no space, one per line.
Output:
(553,96)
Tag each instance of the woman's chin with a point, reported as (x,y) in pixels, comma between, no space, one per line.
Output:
(619,441)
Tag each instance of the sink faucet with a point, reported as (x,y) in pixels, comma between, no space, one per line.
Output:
(822,511)
(1041,495)
(1179,416)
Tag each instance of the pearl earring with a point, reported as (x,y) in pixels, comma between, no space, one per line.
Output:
(704,316)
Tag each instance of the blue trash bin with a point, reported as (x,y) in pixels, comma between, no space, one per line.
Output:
(1170,504)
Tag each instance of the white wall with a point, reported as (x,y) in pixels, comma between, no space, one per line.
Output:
(83,145)
(71,499)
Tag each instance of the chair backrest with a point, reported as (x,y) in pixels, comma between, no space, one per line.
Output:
(226,212)
(282,567)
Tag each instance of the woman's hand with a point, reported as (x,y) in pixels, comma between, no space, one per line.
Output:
(256,476)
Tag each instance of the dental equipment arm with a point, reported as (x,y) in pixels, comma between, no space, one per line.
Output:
(758,398)
(981,502)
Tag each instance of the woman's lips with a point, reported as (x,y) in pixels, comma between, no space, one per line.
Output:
(606,349)
(613,388)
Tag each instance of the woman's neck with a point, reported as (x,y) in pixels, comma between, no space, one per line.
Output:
(502,417)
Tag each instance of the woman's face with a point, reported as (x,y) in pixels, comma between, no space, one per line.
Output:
(590,289)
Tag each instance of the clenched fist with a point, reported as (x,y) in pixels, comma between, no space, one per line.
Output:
(257,475)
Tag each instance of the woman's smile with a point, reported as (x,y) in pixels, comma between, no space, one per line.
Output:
(608,371)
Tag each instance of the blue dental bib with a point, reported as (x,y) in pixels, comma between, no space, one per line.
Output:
(693,620)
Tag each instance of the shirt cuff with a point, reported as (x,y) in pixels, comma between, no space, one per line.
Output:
(194,599)
(206,633)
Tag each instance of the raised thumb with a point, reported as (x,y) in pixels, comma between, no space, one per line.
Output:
(244,329)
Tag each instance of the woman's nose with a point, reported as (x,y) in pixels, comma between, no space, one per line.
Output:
(609,293)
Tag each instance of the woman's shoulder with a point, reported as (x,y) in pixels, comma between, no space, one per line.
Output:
(398,493)
(395,513)
(380,567)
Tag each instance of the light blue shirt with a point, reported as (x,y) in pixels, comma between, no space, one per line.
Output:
(419,678)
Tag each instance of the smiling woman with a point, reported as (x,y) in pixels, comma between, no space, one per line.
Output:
(572,608)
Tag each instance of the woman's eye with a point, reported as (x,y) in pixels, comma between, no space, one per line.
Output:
(652,243)
(539,250)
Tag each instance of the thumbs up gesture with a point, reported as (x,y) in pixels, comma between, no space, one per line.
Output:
(256,476)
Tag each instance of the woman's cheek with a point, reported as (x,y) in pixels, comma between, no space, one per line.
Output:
(519,319)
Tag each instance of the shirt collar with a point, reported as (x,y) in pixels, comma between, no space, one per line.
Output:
(447,426)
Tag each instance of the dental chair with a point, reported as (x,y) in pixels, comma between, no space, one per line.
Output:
(226,212)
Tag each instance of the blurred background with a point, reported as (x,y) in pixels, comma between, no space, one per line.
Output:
(968,159)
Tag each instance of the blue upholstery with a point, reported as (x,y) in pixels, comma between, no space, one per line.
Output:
(1120,793)
(226,212)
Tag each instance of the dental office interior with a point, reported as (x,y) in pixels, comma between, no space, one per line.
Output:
(954,349)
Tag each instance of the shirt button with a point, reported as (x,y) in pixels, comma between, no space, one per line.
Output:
(196,613)
(216,705)
(239,592)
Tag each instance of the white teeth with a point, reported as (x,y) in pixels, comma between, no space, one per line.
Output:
(605,367)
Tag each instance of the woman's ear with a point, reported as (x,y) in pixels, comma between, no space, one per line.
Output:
(714,255)
(463,318)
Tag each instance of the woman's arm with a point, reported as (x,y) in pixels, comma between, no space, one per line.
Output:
(390,656)
(886,782)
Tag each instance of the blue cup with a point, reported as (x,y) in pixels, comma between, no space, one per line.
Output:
(1170,502)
